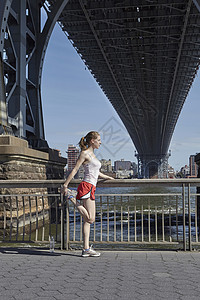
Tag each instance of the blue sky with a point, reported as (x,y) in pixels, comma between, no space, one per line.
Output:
(74,104)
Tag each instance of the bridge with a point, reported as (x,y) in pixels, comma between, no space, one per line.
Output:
(143,53)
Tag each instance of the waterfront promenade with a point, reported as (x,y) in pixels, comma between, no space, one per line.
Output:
(31,273)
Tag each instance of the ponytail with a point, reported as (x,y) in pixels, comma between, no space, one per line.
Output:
(83,144)
(85,141)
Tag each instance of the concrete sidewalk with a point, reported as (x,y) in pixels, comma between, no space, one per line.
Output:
(29,273)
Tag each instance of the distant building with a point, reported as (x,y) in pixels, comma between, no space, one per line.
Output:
(122,164)
(171,172)
(106,165)
(135,169)
(72,156)
(107,168)
(185,171)
(193,171)
(124,174)
(59,152)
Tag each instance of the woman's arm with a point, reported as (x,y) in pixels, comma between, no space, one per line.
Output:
(101,175)
(79,162)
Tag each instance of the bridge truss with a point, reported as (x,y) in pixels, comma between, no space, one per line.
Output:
(143,53)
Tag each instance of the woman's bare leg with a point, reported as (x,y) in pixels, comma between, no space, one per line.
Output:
(88,211)
(82,210)
(89,205)
(86,235)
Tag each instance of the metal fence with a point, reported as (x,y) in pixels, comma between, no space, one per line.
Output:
(170,218)
(31,217)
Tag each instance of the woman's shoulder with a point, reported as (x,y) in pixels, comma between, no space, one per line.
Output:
(87,155)
(84,153)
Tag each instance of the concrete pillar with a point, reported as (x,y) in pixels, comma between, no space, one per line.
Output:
(152,166)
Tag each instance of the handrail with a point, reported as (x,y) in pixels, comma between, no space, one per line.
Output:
(110,183)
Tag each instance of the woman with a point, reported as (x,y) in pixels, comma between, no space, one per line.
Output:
(86,189)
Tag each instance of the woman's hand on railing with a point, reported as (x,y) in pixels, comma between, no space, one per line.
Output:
(64,190)
(111,178)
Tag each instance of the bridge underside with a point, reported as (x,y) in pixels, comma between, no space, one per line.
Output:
(144,55)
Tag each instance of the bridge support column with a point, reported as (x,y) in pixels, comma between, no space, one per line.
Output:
(151,166)
(4,13)
(23,44)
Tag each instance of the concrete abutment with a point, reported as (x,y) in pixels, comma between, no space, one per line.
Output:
(19,162)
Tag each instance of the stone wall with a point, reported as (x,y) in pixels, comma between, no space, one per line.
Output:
(19,162)
(19,168)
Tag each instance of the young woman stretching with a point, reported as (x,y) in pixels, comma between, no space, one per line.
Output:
(86,189)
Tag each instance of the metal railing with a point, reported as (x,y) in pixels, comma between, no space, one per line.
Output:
(30,217)
(169,218)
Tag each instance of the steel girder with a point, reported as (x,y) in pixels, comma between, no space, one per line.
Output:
(144,55)
(197,3)
(4,13)
(23,47)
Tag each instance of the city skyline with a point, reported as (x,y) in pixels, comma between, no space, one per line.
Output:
(113,163)
(74,104)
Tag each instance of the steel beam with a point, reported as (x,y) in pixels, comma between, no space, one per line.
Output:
(5,6)
(166,121)
(53,16)
(126,108)
(197,3)
(36,65)
(23,46)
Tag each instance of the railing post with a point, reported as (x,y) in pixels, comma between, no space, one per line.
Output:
(4,219)
(189,220)
(62,221)
(184,235)
(101,214)
(17,207)
(50,215)
(122,236)
(107,219)
(198,207)
(163,221)
(196,221)
(11,219)
(67,226)
(115,219)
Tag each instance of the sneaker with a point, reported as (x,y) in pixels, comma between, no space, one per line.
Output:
(90,252)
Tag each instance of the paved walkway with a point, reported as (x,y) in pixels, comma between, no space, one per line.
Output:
(36,274)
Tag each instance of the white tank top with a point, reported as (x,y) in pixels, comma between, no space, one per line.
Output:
(92,170)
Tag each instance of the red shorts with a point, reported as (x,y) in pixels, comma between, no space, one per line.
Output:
(85,190)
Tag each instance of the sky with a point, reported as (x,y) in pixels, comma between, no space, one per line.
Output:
(74,104)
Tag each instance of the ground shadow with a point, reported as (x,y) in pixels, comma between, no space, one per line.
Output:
(34,251)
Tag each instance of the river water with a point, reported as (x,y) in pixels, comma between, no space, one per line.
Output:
(136,216)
